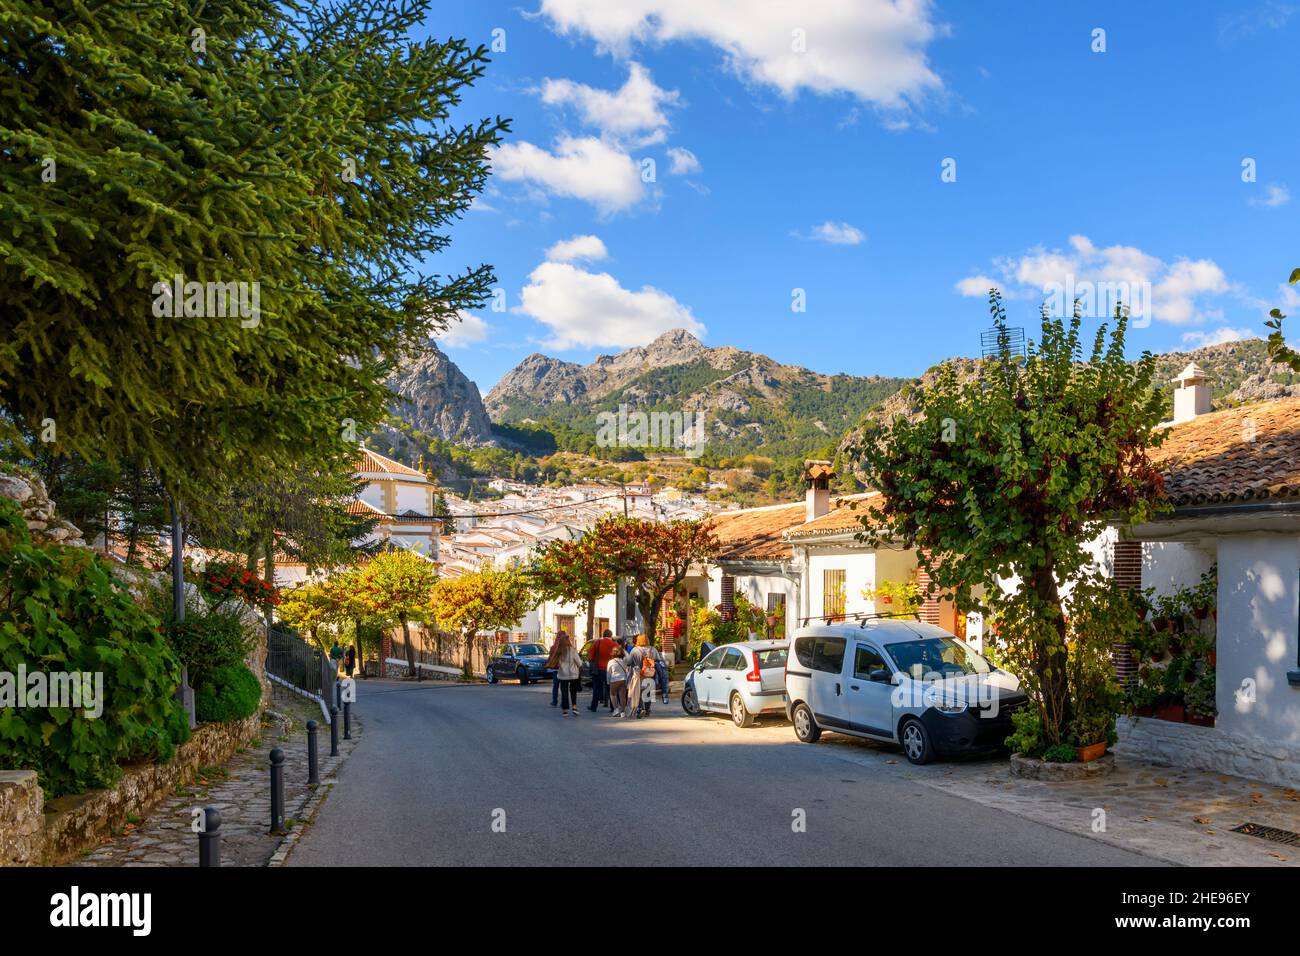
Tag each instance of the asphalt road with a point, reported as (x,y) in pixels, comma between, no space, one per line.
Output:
(443,769)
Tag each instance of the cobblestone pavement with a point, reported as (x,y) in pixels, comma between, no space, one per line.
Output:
(241,790)
(1181,816)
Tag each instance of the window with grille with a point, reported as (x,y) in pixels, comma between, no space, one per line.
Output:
(833,594)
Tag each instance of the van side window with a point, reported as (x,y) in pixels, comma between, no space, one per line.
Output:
(803,651)
(828,654)
(866,660)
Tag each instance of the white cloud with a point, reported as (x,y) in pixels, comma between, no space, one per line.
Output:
(838,233)
(592,310)
(1173,292)
(1275,194)
(633,112)
(470,330)
(873,49)
(586,168)
(682,161)
(579,247)
(1218,336)
(978,285)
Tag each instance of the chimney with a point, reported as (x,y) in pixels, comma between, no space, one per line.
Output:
(817,477)
(1192,397)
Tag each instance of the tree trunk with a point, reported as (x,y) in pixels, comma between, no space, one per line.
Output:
(591,616)
(410,649)
(1050,662)
(467,661)
(649,605)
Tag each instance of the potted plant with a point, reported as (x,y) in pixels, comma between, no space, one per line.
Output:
(1201,708)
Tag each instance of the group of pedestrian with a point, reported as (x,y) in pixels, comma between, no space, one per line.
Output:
(625,677)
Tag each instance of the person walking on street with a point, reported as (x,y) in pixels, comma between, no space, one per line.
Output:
(661,676)
(568,671)
(616,671)
(350,660)
(641,668)
(598,657)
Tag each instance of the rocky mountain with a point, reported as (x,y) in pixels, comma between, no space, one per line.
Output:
(751,403)
(436,398)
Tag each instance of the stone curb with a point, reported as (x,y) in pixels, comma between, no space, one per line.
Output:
(313,805)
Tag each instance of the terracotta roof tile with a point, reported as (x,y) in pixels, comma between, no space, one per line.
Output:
(372,461)
(755,533)
(1249,453)
(760,534)
(846,516)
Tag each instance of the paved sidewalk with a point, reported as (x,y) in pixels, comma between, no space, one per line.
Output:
(1181,816)
(241,790)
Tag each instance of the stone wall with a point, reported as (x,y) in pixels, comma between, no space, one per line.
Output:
(38,511)
(1208,748)
(21,818)
(33,832)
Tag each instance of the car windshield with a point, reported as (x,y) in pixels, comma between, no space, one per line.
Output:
(529,650)
(936,658)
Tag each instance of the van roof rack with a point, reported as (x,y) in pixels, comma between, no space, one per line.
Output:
(861,616)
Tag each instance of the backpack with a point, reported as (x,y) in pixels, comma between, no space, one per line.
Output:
(648,665)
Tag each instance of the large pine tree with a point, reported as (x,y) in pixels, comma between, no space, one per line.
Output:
(309,150)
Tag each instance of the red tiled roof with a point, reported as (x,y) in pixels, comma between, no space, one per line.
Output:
(1249,453)
(846,517)
(760,534)
(371,461)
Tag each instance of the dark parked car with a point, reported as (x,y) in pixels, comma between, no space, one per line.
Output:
(524,662)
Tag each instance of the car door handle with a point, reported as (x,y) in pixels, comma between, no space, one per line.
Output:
(853,687)
(837,690)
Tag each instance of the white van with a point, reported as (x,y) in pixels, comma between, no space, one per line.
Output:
(899,681)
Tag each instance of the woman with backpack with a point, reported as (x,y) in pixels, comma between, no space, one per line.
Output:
(641,667)
(568,669)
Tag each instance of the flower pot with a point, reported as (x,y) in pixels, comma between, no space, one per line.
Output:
(1162,623)
(1201,612)
(1176,713)
(1142,613)
(1213,657)
(1090,752)
(1200,720)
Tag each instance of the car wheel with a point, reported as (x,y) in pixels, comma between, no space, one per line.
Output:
(805,727)
(522,674)
(491,676)
(691,703)
(740,715)
(916,742)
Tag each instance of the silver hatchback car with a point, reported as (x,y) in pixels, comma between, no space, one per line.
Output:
(745,680)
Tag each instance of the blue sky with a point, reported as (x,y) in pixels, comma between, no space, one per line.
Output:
(802,146)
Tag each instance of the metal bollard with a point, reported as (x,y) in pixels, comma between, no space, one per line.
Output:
(313,768)
(334,731)
(277,790)
(347,720)
(338,694)
(210,838)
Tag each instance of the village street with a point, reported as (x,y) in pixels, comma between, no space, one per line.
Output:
(441,762)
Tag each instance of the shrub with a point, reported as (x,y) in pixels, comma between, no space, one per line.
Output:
(62,611)
(1061,753)
(1027,738)
(211,642)
(230,693)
